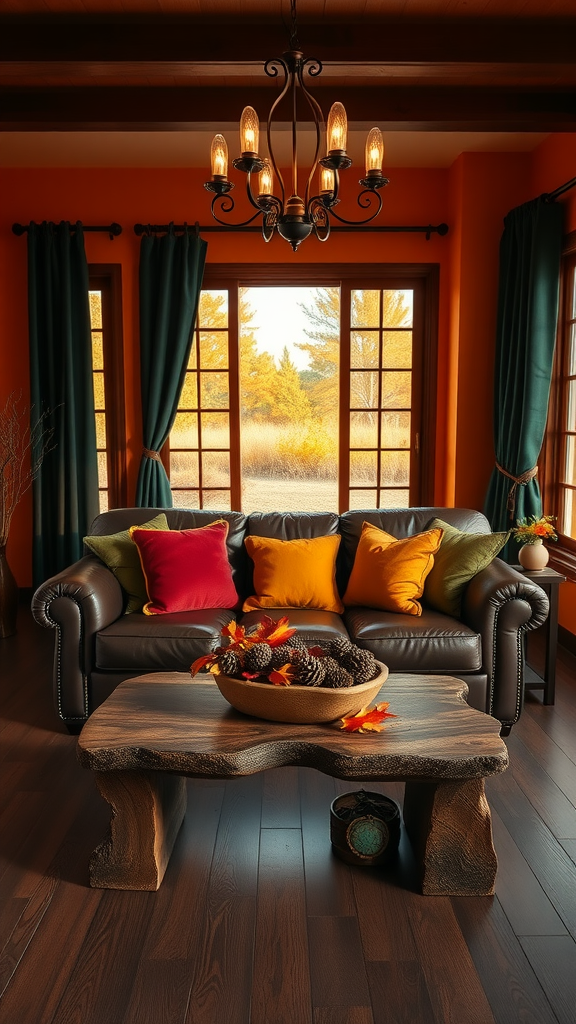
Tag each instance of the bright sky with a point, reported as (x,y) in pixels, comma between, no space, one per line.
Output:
(281,321)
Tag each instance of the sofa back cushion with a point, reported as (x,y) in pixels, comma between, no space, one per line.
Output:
(186,519)
(400,522)
(119,553)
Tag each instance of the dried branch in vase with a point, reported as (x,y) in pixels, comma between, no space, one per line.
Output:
(22,451)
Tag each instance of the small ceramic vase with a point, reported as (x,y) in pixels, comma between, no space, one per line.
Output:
(534,556)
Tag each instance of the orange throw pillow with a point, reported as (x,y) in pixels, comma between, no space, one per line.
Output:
(294,573)
(389,574)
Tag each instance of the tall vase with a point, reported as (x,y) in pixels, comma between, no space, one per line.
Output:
(8,597)
(534,556)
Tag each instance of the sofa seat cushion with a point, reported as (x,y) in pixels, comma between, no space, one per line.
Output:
(430,643)
(162,643)
(313,625)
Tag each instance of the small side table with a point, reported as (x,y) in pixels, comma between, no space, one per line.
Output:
(550,581)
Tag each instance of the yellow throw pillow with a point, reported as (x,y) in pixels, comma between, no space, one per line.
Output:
(294,573)
(389,574)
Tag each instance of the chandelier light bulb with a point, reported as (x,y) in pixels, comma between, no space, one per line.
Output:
(219,157)
(326,179)
(249,131)
(265,179)
(374,151)
(337,130)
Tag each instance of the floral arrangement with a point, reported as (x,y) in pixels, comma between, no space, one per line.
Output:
(272,653)
(534,529)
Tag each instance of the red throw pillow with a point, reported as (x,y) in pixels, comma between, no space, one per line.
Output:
(187,570)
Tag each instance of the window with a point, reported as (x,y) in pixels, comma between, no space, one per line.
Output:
(108,376)
(567,428)
(332,415)
(201,448)
(558,468)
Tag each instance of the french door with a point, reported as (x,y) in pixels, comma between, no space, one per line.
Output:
(355,431)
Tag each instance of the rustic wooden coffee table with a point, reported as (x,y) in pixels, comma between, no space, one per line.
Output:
(156,729)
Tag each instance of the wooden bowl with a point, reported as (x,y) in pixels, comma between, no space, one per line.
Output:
(298,704)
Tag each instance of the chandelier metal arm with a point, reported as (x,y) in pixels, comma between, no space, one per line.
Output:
(314,67)
(271,69)
(318,214)
(367,192)
(227,205)
(251,197)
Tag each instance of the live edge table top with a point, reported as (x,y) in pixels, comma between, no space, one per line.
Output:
(169,722)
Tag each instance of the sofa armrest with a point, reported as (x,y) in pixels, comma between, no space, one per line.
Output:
(501,605)
(77,602)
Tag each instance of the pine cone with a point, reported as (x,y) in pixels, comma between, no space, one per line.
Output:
(229,663)
(361,664)
(283,654)
(338,647)
(336,676)
(311,670)
(257,658)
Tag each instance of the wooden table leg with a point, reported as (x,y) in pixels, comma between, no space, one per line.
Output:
(147,811)
(450,829)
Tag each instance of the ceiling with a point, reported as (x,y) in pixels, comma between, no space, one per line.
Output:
(438,76)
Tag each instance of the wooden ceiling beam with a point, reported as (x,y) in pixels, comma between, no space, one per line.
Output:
(499,41)
(416,108)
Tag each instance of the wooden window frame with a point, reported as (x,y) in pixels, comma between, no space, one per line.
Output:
(425,275)
(563,553)
(107,278)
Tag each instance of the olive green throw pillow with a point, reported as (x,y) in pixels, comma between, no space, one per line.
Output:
(119,552)
(459,557)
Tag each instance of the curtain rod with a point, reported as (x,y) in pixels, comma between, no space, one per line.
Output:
(427,229)
(551,196)
(112,229)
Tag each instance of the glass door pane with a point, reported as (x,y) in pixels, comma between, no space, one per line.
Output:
(380,397)
(289,388)
(200,458)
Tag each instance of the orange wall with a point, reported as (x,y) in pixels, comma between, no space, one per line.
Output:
(472,197)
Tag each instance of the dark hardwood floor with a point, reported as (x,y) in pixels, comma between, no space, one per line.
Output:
(256,921)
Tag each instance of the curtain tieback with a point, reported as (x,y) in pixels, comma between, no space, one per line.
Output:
(518,481)
(150,454)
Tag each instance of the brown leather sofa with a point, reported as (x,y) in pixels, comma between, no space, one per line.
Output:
(97,646)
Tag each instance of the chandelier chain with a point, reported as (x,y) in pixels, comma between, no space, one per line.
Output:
(294,44)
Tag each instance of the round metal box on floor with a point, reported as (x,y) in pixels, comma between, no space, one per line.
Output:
(365,828)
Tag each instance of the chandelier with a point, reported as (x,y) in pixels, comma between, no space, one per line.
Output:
(292,216)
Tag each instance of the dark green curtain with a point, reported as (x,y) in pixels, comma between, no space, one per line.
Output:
(65,491)
(530,252)
(171,271)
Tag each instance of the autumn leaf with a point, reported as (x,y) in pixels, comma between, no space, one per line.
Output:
(266,626)
(280,635)
(236,633)
(202,662)
(368,719)
(317,652)
(282,676)
(251,675)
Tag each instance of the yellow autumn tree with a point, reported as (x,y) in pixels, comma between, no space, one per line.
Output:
(323,348)
(258,370)
(291,404)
